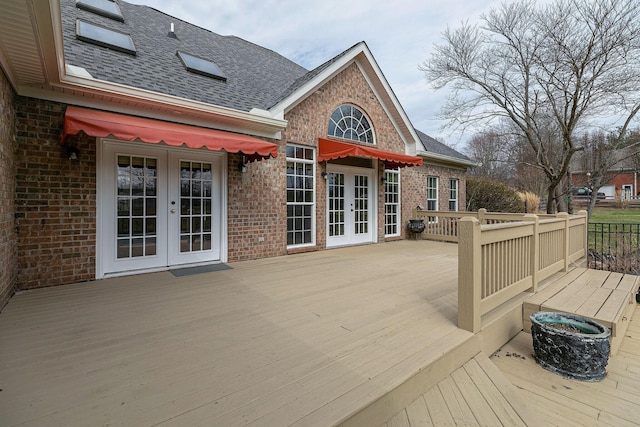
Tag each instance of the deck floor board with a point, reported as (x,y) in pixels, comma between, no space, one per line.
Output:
(303,339)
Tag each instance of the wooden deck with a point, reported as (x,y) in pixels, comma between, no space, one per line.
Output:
(306,339)
(510,389)
(614,401)
(344,337)
(476,394)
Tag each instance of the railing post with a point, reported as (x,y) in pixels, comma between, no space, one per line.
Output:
(585,234)
(481,216)
(567,246)
(469,274)
(535,250)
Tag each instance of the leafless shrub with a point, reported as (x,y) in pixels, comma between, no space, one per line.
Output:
(531,201)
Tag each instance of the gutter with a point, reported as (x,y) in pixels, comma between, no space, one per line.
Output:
(447,159)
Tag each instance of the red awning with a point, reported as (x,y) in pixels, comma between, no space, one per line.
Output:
(329,150)
(128,128)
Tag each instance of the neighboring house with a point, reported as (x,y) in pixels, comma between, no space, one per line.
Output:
(181,146)
(620,182)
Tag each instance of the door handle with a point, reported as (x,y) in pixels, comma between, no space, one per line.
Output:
(173,211)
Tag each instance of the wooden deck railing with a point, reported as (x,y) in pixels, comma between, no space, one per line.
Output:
(499,260)
(441,225)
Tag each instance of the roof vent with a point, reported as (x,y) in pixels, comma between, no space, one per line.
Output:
(172,33)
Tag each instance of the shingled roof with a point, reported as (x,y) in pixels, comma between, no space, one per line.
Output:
(311,74)
(256,76)
(433,146)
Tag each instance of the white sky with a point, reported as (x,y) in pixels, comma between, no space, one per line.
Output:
(400,34)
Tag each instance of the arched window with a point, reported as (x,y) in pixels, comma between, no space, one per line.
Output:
(349,122)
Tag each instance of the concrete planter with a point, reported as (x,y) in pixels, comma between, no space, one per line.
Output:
(575,355)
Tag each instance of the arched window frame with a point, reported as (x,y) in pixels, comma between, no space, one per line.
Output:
(349,122)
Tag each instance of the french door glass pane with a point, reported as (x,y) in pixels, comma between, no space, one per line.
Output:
(136,181)
(336,204)
(196,183)
(361,204)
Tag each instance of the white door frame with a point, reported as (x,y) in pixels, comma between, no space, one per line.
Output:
(349,238)
(104,200)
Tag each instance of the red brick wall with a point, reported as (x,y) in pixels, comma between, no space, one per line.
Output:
(8,258)
(257,210)
(414,187)
(257,199)
(55,200)
(310,120)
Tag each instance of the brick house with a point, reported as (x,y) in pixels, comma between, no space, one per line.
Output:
(132,141)
(620,182)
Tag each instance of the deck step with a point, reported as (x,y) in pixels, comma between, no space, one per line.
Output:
(606,297)
(381,397)
(475,394)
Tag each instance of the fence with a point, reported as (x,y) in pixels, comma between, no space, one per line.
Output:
(499,261)
(614,247)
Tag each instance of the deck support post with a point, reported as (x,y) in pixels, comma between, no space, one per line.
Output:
(469,279)
(567,246)
(535,250)
(585,233)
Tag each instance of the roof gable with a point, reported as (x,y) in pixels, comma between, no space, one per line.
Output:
(359,54)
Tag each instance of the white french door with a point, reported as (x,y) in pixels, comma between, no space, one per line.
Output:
(350,206)
(158,208)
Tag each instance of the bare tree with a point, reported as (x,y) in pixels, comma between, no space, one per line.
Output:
(528,176)
(491,152)
(567,63)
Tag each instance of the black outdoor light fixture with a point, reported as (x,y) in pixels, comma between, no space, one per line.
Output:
(324,175)
(242,166)
(73,153)
(384,180)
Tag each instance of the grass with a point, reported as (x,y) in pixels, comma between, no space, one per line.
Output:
(614,215)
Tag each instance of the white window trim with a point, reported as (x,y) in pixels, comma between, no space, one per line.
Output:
(399,205)
(433,219)
(457,194)
(313,204)
(437,191)
(369,122)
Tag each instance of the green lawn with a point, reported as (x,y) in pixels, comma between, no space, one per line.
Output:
(613,215)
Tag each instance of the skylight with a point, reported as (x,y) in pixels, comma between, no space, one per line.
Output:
(107,8)
(201,66)
(105,37)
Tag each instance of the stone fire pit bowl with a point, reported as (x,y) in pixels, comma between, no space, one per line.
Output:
(569,345)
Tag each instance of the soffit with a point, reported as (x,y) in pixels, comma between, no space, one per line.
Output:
(19,49)
(31,55)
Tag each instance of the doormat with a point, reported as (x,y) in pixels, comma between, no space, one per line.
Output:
(181,272)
